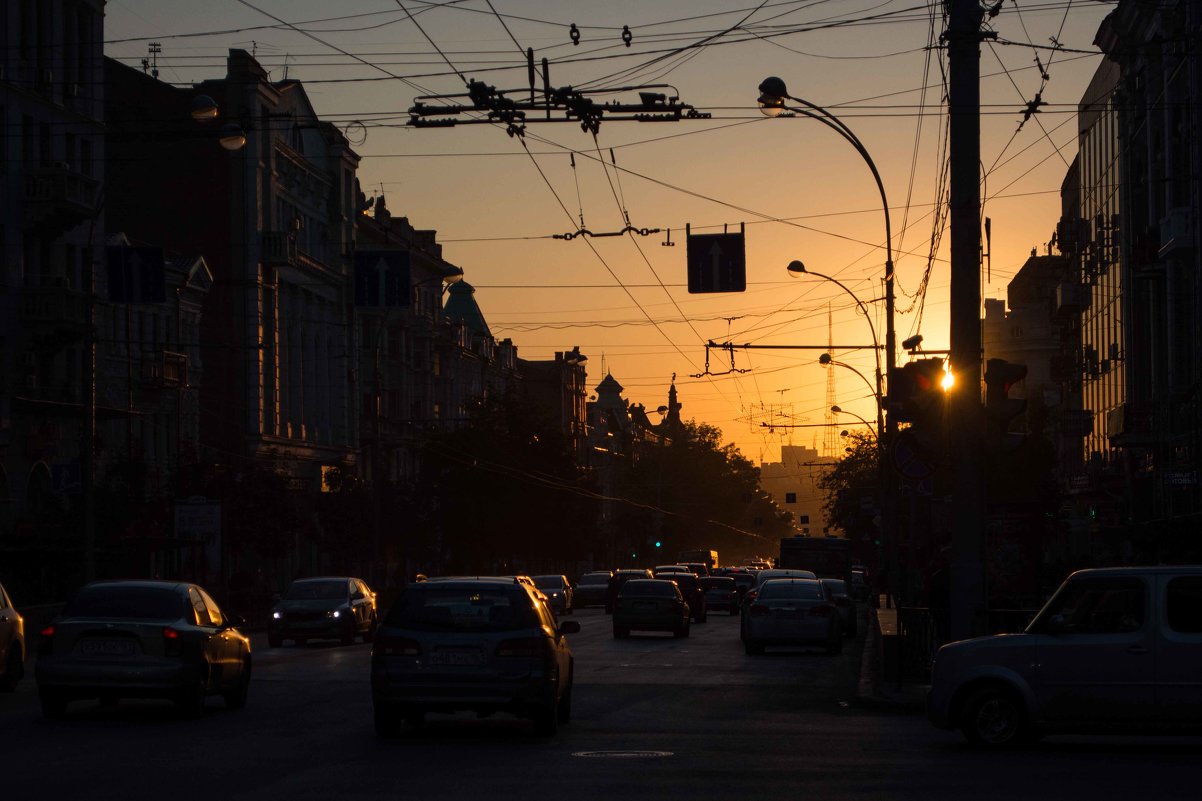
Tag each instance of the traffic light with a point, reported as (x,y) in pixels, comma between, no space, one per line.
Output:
(658,544)
(1000,408)
(916,392)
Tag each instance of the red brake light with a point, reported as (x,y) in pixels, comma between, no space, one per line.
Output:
(173,644)
(758,610)
(170,633)
(48,632)
(46,643)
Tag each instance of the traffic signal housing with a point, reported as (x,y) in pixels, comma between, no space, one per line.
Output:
(1000,408)
(916,392)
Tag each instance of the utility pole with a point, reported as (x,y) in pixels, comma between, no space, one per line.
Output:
(963,38)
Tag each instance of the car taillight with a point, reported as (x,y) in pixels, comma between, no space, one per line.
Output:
(397,646)
(173,644)
(46,643)
(751,595)
(822,610)
(758,610)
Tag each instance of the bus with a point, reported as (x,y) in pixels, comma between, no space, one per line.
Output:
(707,558)
(827,557)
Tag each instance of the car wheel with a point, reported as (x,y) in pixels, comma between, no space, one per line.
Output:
(13,671)
(236,698)
(546,720)
(274,641)
(54,704)
(700,617)
(563,711)
(685,631)
(994,717)
(387,721)
(348,636)
(752,648)
(191,700)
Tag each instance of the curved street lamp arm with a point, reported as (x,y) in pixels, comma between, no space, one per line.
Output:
(863,377)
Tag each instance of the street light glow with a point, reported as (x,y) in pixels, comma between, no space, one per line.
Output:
(948,379)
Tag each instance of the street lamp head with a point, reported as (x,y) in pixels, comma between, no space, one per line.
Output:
(232,136)
(203,108)
(824,359)
(453,277)
(796,267)
(661,410)
(772,96)
(836,409)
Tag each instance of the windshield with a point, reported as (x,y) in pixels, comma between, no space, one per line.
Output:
(316,590)
(807,590)
(595,578)
(648,589)
(128,603)
(473,608)
(549,582)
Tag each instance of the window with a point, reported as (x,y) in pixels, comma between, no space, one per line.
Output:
(803,519)
(1184,604)
(215,615)
(790,497)
(198,607)
(1101,606)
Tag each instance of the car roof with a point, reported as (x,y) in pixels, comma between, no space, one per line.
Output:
(1154,570)
(323,578)
(162,585)
(805,581)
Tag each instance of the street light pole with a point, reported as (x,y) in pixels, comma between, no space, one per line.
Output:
(773,95)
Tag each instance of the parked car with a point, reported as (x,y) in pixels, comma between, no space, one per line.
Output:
(328,607)
(140,639)
(617,580)
(721,592)
(12,644)
(470,644)
(558,591)
(1115,650)
(651,605)
(693,592)
(844,604)
(793,611)
(590,590)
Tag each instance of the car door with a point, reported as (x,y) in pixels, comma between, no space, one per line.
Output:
(8,628)
(1095,660)
(1179,650)
(229,646)
(210,640)
(562,653)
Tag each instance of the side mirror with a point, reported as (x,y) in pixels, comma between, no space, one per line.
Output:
(1057,624)
(569,627)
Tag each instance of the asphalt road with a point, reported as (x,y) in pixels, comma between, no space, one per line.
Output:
(653,718)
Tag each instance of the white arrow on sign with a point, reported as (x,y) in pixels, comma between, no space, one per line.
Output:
(716,262)
(382,274)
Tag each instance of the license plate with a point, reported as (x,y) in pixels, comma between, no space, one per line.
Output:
(644,604)
(788,614)
(103,647)
(460,658)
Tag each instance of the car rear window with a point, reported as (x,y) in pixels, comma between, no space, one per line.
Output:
(548,582)
(126,603)
(316,590)
(837,587)
(595,578)
(648,589)
(469,608)
(718,583)
(744,579)
(791,589)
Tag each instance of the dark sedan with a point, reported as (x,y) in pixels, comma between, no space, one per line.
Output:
(651,605)
(693,592)
(590,590)
(721,593)
(142,639)
(339,608)
(616,582)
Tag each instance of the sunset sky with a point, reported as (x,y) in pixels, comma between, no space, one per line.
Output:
(802,192)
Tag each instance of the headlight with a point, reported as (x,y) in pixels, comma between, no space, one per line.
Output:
(276,616)
(335,614)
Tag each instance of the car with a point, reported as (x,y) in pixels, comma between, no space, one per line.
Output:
(843,604)
(700,569)
(793,611)
(142,639)
(325,607)
(694,593)
(470,644)
(859,583)
(760,577)
(617,580)
(12,643)
(1114,651)
(558,591)
(660,569)
(650,605)
(721,592)
(590,590)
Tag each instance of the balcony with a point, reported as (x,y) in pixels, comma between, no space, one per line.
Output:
(59,197)
(1176,232)
(54,307)
(279,248)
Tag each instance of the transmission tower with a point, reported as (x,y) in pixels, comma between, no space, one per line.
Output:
(830,440)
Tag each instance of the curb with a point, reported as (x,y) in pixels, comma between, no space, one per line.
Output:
(871,693)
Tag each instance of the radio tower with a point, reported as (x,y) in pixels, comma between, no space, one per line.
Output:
(830,440)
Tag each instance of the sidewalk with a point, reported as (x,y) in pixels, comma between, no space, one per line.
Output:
(880,692)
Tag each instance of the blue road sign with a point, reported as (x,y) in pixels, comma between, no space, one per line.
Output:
(136,274)
(382,278)
(717,262)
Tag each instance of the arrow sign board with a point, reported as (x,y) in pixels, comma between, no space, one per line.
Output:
(382,278)
(136,274)
(717,262)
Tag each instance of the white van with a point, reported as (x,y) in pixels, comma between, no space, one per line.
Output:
(1114,650)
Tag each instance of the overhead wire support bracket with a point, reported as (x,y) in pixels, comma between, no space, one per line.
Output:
(630,229)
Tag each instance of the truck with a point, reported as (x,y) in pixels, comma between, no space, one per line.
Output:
(707,558)
(827,557)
